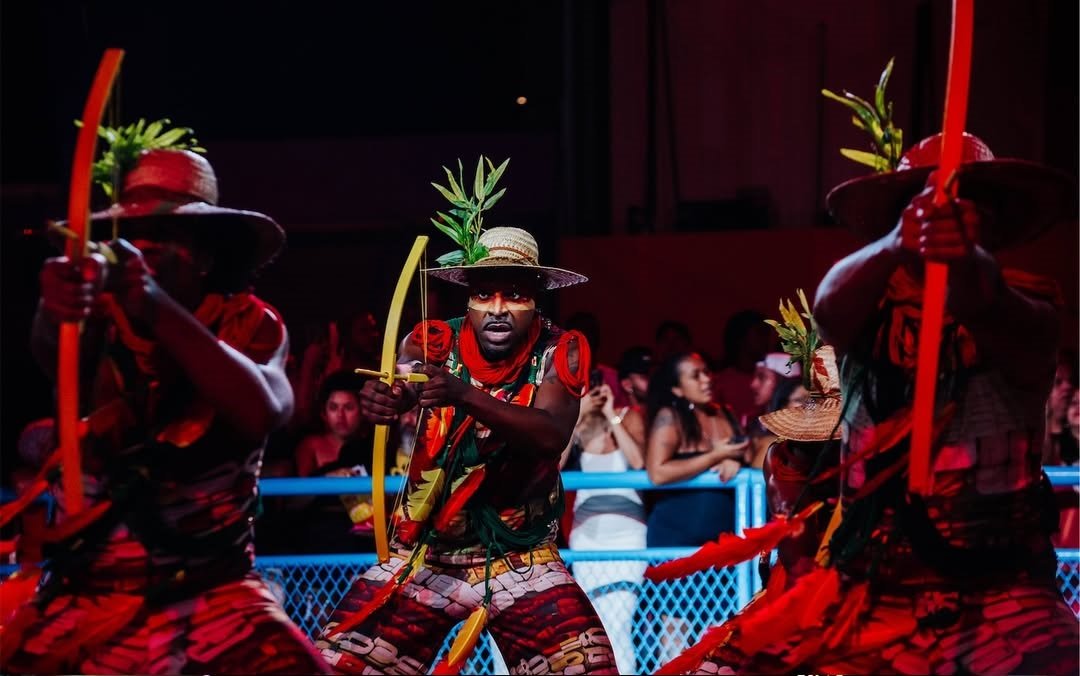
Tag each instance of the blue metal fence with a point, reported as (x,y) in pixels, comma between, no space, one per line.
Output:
(652,621)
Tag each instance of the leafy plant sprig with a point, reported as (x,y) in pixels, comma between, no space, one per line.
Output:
(796,338)
(125,144)
(465,222)
(876,119)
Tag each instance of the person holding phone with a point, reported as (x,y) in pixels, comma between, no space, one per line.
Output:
(606,440)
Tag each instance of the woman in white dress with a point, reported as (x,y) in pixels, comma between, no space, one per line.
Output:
(605,440)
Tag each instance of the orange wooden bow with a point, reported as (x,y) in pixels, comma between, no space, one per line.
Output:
(67,419)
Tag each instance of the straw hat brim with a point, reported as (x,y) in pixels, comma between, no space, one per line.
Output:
(269,236)
(816,420)
(1025,198)
(552,278)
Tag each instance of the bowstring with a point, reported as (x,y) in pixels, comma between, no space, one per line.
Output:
(112,114)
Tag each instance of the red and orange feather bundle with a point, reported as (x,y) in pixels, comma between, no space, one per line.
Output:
(465,490)
(730,549)
(377,601)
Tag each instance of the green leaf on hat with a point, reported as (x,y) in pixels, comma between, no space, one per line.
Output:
(494,198)
(452,258)
(123,146)
(450,197)
(450,232)
(466,220)
(796,338)
(876,120)
(454,185)
(478,180)
(494,175)
(872,160)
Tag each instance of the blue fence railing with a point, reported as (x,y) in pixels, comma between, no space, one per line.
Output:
(648,622)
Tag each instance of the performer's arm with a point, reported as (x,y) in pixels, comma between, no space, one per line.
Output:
(983,303)
(255,398)
(664,442)
(848,296)
(543,428)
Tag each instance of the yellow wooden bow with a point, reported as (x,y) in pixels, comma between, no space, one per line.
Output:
(67,418)
(388,374)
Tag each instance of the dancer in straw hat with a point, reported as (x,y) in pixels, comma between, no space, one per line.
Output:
(475,532)
(185,367)
(960,577)
(807,439)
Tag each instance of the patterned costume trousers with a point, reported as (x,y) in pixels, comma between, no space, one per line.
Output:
(540,619)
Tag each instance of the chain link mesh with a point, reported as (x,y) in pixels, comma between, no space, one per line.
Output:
(649,623)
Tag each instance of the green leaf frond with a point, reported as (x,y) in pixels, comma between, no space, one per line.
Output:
(125,144)
(876,120)
(465,222)
(798,338)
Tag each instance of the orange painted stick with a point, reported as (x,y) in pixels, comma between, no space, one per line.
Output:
(937,274)
(67,418)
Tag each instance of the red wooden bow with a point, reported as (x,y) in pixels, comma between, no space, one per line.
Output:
(937,274)
(67,418)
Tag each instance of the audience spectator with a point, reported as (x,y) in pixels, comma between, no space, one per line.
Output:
(789,393)
(769,374)
(747,338)
(634,368)
(587,324)
(689,434)
(346,344)
(672,338)
(1067,444)
(332,523)
(1056,447)
(609,518)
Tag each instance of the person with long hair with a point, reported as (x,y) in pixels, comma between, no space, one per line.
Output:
(688,435)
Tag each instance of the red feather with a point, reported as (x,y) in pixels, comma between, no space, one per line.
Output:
(443,668)
(847,616)
(690,659)
(458,498)
(783,615)
(408,531)
(730,549)
(777,581)
(377,601)
(431,442)
(17,591)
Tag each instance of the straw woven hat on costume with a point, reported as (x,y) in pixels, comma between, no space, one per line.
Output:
(1023,197)
(815,420)
(181,185)
(510,248)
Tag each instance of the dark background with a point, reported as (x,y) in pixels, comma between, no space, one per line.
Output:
(643,118)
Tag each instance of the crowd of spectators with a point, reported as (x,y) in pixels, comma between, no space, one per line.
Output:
(668,408)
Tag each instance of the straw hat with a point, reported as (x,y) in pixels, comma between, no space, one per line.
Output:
(1025,198)
(510,248)
(815,420)
(181,185)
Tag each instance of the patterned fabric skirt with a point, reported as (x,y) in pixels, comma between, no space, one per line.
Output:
(233,628)
(1021,628)
(541,621)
